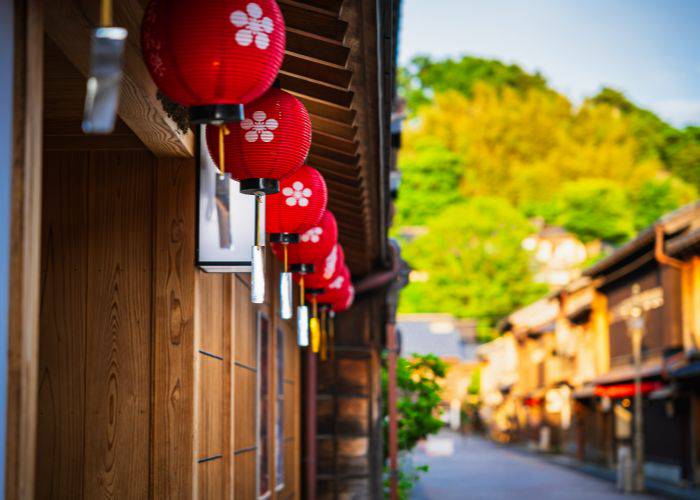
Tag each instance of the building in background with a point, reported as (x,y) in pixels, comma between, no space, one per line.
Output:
(574,386)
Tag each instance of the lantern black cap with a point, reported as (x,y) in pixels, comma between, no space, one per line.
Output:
(260,186)
(284,237)
(302,268)
(216,113)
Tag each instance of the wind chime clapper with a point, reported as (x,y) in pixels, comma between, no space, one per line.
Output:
(286,292)
(314,323)
(302,309)
(107,44)
(258,188)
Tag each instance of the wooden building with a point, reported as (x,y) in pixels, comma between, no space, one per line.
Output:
(134,374)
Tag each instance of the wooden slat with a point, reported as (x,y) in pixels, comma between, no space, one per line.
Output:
(70,26)
(328,111)
(210,411)
(173,336)
(312,88)
(118,396)
(331,141)
(335,155)
(333,128)
(320,48)
(25,247)
(312,21)
(60,439)
(332,6)
(316,70)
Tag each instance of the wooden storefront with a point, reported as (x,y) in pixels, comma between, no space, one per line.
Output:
(134,374)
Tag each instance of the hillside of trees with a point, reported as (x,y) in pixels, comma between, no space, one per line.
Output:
(488,147)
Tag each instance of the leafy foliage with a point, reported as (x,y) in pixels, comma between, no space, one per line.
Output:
(424,77)
(419,396)
(477,268)
(429,176)
(488,145)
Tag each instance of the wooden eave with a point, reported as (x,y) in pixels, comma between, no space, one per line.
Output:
(331,65)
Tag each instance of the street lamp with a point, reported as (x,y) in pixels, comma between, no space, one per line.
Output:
(635,328)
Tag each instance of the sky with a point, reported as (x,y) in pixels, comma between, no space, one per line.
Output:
(649,49)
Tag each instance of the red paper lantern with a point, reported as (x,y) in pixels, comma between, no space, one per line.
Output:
(345,301)
(325,270)
(272,141)
(314,244)
(297,207)
(336,288)
(213,56)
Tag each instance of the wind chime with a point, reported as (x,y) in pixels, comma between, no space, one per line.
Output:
(313,246)
(269,144)
(334,290)
(325,272)
(297,208)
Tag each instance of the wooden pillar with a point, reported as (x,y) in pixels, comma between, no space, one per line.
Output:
(25,249)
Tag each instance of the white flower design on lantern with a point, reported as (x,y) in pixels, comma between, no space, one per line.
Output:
(254,26)
(337,283)
(313,235)
(260,126)
(297,194)
(331,262)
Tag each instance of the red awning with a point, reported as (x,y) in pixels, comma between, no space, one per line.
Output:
(625,390)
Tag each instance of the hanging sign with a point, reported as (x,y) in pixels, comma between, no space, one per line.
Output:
(225,218)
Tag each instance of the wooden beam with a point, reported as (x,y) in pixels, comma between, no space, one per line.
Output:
(319,48)
(333,142)
(335,155)
(345,116)
(315,69)
(25,249)
(312,88)
(333,128)
(330,6)
(313,21)
(69,26)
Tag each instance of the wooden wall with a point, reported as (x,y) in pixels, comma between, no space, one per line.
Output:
(148,368)
(349,406)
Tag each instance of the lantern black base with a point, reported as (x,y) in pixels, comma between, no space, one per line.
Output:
(216,113)
(314,291)
(302,268)
(260,186)
(284,237)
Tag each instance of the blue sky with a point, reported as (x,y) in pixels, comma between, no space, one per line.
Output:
(649,49)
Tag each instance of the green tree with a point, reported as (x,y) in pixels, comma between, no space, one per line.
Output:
(681,153)
(424,77)
(430,174)
(475,263)
(596,209)
(659,196)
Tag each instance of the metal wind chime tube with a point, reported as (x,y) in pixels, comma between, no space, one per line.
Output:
(286,300)
(302,318)
(257,279)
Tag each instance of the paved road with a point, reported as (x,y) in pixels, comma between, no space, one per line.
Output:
(474,468)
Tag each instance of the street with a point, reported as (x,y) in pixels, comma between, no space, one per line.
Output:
(474,468)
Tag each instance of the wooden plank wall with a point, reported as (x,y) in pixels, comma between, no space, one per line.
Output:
(148,367)
(349,406)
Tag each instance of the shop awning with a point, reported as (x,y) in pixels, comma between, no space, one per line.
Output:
(625,390)
(690,370)
(587,391)
(625,373)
